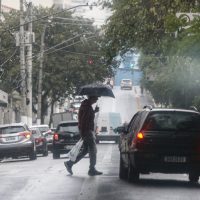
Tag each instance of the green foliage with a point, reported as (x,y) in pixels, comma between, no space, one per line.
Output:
(67,51)
(169,46)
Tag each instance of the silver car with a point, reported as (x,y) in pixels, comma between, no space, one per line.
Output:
(126,84)
(16,140)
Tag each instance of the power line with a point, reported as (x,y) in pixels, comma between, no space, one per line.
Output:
(8,58)
(45,17)
(69,45)
(79,53)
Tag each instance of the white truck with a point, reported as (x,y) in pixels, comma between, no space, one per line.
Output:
(62,116)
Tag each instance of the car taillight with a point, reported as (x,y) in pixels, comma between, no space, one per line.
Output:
(55,136)
(38,140)
(26,134)
(139,137)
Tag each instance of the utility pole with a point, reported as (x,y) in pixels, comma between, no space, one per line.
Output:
(39,113)
(29,66)
(22,64)
(0,11)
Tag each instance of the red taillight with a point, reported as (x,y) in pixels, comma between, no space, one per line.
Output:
(140,136)
(26,134)
(55,136)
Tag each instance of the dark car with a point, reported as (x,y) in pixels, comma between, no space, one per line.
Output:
(40,141)
(16,140)
(45,130)
(160,140)
(65,137)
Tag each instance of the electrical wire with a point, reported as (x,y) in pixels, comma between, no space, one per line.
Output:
(1,65)
(69,45)
(45,17)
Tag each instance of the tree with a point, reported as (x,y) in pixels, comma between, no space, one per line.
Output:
(65,59)
(165,43)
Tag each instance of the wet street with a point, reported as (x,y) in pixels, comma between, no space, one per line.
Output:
(47,179)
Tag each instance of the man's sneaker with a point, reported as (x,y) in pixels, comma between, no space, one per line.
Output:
(94,172)
(68,167)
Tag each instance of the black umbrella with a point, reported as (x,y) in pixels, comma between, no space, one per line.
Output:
(96,89)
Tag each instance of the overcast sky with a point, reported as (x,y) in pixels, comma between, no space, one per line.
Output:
(15,3)
(96,13)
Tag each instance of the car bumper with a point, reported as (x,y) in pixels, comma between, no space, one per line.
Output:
(40,148)
(62,147)
(16,149)
(148,162)
(126,87)
(107,137)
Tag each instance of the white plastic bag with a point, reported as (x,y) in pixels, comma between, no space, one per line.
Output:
(75,150)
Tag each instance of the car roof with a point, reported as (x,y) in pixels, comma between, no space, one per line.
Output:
(172,110)
(12,124)
(41,125)
(126,79)
(68,122)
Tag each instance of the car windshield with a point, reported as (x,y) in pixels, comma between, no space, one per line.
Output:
(11,129)
(173,121)
(72,128)
(126,81)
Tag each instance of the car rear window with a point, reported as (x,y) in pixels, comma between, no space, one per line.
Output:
(126,81)
(43,129)
(173,121)
(10,130)
(68,127)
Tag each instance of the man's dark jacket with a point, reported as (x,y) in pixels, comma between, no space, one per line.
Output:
(86,117)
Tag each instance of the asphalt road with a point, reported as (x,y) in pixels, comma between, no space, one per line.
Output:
(47,179)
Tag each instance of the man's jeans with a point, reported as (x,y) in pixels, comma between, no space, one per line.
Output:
(89,146)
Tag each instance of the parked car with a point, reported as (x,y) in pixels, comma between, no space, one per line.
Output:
(40,141)
(126,84)
(65,137)
(160,140)
(47,132)
(16,140)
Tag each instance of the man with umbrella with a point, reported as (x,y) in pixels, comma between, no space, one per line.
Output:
(86,127)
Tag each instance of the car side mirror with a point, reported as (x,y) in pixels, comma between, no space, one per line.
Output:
(121,129)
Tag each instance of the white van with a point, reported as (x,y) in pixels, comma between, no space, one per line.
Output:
(106,123)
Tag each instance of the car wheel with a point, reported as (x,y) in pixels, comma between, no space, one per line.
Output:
(56,155)
(33,155)
(193,177)
(123,172)
(45,152)
(133,174)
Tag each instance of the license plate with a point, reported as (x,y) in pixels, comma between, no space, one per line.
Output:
(11,139)
(175,159)
(69,147)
